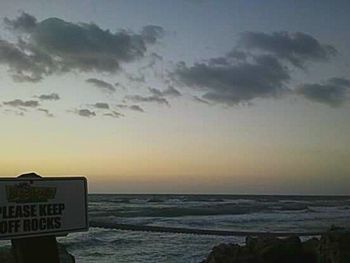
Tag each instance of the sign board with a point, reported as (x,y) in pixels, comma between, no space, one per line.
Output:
(42,206)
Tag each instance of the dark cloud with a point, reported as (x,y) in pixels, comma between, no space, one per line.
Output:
(101,105)
(47,112)
(24,65)
(22,103)
(25,22)
(297,48)
(136,108)
(103,85)
(334,92)
(170,91)
(52,96)
(258,67)
(113,114)
(55,46)
(235,83)
(139,98)
(152,33)
(85,113)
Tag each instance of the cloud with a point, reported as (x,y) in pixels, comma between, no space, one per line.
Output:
(21,103)
(113,114)
(136,78)
(196,98)
(25,22)
(24,65)
(52,96)
(85,113)
(136,108)
(101,105)
(119,85)
(152,33)
(139,98)
(18,113)
(47,112)
(333,92)
(235,83)
(259,66)
(170,91)
(55,46)
(122,106)
(103,85)
(297,48)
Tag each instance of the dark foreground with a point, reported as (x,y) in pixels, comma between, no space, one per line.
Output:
(7,255)
(331,247)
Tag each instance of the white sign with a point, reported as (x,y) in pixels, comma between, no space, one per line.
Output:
(42,206)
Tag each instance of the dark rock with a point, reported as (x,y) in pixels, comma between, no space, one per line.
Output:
(310,250)
(334,246)
(232,253)
(274,250)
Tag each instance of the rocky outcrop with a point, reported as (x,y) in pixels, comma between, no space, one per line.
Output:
(332,247)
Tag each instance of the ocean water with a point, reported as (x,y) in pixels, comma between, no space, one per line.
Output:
(219,212)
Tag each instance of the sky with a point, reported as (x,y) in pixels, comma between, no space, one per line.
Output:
(235,97)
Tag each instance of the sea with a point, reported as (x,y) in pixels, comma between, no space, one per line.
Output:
(251,213)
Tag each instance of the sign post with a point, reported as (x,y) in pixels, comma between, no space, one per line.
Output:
(34,210)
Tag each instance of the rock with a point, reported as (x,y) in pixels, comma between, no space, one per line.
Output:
(334,246)
(274,250)
(231,253)
(310,250)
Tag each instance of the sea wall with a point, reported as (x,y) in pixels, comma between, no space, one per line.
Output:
(332,247)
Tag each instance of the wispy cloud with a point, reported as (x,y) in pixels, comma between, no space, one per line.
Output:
(85,113)
(47,112)
(170,91)
(101,105)
(113,114)
(22,103)
(52,96)
(136,108)
(139,98)
(101,84)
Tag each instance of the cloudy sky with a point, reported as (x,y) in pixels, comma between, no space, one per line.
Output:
(178,96)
